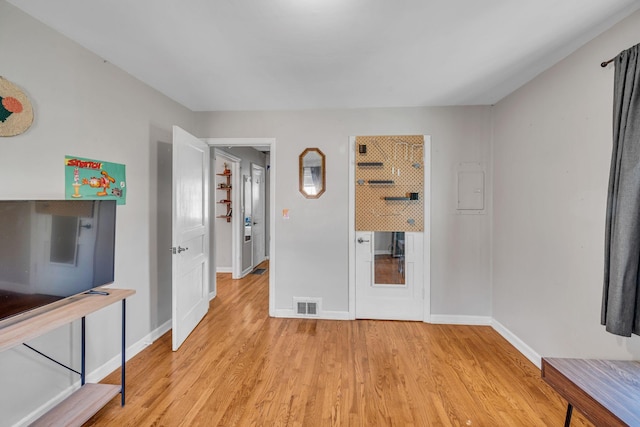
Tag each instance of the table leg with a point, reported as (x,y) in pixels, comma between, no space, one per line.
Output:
(567,419)
(124,359)
(83,357)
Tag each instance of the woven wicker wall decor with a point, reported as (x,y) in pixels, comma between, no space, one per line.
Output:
(16,113)
(390,183)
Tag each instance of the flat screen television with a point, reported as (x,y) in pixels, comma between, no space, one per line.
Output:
(53,249)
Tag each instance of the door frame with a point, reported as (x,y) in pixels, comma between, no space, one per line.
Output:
(426,250)
(271,143)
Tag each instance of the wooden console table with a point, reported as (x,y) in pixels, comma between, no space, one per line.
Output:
(90,398)
(606,392)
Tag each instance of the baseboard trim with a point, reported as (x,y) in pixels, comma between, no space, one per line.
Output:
(520,345)
(159,331)
(447,319)
(100,373)
(512,338)
(224,270)
(323,315)
(45,407)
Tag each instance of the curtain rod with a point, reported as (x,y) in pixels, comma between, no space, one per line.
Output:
(605,63)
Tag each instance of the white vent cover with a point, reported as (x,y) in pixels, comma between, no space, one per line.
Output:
(307,306)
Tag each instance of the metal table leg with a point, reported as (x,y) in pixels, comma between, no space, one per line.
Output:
(124,359)
(83,354)
(567,420)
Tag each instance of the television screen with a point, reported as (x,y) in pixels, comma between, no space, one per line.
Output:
(52,249)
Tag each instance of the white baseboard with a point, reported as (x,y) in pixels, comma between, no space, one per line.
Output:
(335,315)
(113,364)
(447,319)
(159,331)
(98,374)
(324,315)
(520,345)
(44,408)
(224,270)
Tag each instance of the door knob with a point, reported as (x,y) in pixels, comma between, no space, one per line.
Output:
(361,240)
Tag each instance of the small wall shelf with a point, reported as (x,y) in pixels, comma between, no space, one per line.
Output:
(371,164)
(412,196)
(225,186)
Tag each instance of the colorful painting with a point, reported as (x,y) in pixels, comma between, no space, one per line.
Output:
(94,179)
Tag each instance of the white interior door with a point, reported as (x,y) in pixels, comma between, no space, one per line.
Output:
(190,234)
(258,193)
(389,282)
(389,270)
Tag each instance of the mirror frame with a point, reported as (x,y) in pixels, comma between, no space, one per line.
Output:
(301,173)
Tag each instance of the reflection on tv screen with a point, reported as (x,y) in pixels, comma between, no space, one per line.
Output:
(52,249)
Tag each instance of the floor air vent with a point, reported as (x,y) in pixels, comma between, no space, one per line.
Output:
(306,307)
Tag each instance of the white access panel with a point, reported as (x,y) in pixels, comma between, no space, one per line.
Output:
(471,188)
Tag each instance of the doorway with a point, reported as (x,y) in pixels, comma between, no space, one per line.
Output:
(389,226)
(258,211)
(267,145)
(225,178)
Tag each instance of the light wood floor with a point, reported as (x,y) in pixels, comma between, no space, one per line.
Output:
(242,368)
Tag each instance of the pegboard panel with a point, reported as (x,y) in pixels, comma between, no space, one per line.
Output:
(389,183)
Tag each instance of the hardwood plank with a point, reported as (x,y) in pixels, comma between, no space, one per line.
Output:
(242,368)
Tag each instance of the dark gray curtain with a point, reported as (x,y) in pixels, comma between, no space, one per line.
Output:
(621,293)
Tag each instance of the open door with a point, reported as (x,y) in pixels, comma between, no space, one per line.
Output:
(190,234)
(258,232)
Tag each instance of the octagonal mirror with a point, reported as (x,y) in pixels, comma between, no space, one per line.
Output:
(312,173)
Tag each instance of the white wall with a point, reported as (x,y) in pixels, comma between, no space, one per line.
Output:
(89,108)
(552,150)
(222,234)
(312,246)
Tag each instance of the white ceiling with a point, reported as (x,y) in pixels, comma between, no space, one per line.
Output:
(213,55)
